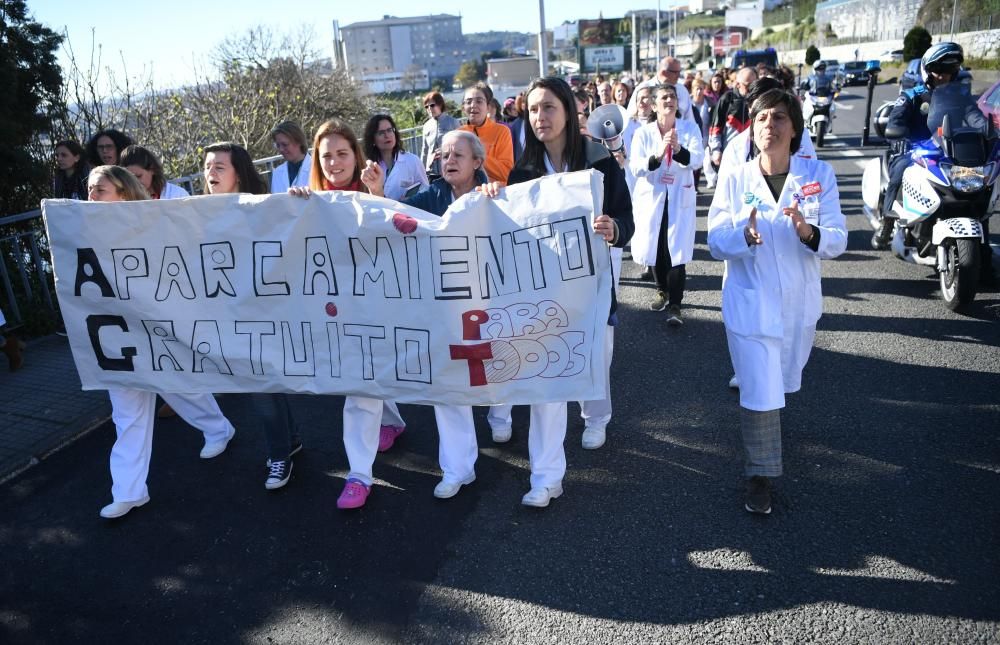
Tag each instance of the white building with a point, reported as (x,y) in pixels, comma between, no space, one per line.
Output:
(864,18)
(401,45)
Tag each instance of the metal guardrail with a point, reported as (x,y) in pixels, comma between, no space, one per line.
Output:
(26,281)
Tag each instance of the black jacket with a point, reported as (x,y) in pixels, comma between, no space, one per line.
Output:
(617,199)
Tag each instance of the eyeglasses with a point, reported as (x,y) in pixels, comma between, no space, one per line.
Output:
(386,132)
(671,71)
(476,101)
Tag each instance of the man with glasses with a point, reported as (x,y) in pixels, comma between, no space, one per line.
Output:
(732,115)
(439,124)
(669,73)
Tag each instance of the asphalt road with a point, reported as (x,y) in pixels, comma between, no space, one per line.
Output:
(884,529)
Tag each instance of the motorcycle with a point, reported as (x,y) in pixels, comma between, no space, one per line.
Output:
(946,195)
(817,112)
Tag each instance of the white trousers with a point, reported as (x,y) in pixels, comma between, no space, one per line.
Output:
(133,412)
(457,447)
(546,433)
(710,174)
(597,414)
(362,419)
(390,414)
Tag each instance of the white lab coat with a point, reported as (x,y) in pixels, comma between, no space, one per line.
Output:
(771,295)
(173,191)
(736,152)
(676,182)
(630,129)
(279,178)
(407,172)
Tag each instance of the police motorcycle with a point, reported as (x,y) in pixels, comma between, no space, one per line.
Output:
(817,105)
(946,194)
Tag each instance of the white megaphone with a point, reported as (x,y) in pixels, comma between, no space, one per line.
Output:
(606,123)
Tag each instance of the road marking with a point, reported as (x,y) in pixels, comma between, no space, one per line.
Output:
(844,106)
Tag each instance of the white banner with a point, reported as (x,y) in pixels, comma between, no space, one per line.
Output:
(499,301)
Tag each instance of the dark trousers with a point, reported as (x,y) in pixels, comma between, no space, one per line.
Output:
(274,413)
(897,165)
(669,278)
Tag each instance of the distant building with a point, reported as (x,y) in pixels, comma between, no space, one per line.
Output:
(414,79)
(699,6)
(864,18)
(401,45)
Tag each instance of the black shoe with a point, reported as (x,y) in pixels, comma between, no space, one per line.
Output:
(647,274)
(674,317)
(278,474)
(659,303)
(296,449)
(758,495)
(883,236)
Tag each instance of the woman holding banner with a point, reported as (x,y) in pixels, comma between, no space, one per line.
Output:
(228,168)
(553,144)
(132,410)
(337,164)
(462,159)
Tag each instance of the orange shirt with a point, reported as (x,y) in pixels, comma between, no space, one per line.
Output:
(499,149)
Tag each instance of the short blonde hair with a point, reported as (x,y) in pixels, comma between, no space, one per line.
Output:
(125,183)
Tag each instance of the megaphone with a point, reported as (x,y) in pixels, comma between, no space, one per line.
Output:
(606,123)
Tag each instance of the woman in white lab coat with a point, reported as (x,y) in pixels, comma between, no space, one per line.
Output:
(403,172)
(290,142)
(772,220)
(132,410)
(663,156)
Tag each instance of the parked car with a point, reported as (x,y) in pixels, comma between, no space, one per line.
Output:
(989,103)
(892,55)
(855,72)
(911,75)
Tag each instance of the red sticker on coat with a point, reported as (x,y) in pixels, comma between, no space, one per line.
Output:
(812,189)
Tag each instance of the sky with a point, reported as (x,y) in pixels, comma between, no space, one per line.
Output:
(169,42)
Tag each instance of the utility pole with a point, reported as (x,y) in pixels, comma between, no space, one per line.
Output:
(657,32)
(954,12)
(542,67)
(635,47)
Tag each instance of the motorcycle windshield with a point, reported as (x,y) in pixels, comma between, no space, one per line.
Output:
(955,101)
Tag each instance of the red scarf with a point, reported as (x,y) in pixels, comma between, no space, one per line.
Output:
(354,186)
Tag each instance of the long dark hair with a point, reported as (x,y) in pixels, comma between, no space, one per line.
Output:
(74,187)
(139,156)
(119,138)
(533,157)
(247,178)
(371,150)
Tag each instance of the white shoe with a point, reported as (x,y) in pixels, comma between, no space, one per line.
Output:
(593,438)
(216,448)
(501,435)
(734,382)
(540,496)
(117,509)
(449,488)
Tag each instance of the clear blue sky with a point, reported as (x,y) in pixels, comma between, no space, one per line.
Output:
(172,39)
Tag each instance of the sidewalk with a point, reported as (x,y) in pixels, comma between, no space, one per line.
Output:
(42,406)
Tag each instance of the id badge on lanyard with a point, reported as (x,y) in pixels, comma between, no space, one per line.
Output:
(808,199)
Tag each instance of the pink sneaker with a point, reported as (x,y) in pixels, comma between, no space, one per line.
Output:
(354,495)
(387,436)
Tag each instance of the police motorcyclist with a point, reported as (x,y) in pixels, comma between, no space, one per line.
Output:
(940,65)
(820,84)
(818,81)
